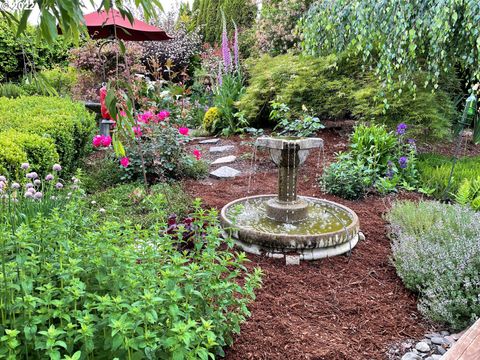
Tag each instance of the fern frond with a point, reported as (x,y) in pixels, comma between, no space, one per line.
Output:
(463,194)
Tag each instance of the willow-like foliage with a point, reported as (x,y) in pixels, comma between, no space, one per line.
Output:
(399,37)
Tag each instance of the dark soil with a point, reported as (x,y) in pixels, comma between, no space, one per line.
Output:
(333,309)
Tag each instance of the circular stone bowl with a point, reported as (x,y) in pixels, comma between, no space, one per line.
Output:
(309,247)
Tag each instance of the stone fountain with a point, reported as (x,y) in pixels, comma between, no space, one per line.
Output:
(286,223)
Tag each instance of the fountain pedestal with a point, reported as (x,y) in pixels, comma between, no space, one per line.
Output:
(288,154)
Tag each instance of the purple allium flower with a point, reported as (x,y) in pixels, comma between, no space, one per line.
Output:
(28,195)
(37,182)
(2,184)
(411,141)
(38,195)
(57,167)
(28,185)
(49,177)
(25,166)
(403,162)
(32,175)
(59,185)
(31,190)
(401,128)
(3,178)
(15,185)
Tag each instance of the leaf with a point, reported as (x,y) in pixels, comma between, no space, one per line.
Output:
(22,25)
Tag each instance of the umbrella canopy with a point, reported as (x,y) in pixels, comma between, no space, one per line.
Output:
(101,25)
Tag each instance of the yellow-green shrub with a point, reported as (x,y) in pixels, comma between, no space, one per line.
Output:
(211,117)
(67,125)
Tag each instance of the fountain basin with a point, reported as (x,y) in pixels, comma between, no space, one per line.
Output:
(330,229)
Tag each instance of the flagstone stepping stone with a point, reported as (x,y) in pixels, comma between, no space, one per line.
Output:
(220,149)
(209,141)
(225,160)
(224,172)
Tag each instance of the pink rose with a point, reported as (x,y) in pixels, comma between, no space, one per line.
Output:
(124,161)
(106,141)
(197,154)
(97,141)
(183,131)
(162,115)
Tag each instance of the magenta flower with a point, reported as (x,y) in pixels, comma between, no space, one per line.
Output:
(162,115)
(97,141)
(197,154)
(183,131)
(57,167)
(145,117)
(106,141)
(137,131)
(124,161)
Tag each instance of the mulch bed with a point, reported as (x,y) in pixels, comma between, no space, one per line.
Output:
(333,309)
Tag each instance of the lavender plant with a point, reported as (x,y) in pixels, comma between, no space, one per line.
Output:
(436,252)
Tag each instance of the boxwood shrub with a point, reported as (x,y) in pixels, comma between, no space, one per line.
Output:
(44,130)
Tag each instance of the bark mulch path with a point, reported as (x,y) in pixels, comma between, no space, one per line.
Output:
(332,309)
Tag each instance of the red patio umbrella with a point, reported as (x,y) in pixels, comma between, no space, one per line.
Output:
(101,25)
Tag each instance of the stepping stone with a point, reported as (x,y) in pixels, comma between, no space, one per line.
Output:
(225,160)
(220,149)
(224,172)
(209,141)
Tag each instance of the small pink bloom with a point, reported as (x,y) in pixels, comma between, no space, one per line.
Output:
(97,140)
(197,154)
(124,161)
(137,130)
(183,131)
(162,115)
(106,141)
(145,117)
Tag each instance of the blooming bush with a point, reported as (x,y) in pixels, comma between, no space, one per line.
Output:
(436,251)
(76,286)
(184,45)
(162,145)
(276,28)
(377,158)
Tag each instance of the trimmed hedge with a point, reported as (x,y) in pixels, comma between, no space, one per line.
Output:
(333,87)
(43,130)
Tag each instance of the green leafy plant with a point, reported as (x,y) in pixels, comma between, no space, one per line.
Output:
(436,253)
(376,158)
(225,97)
(468,193)
(76,284)
(11,90)
(304,126)
(435,170)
